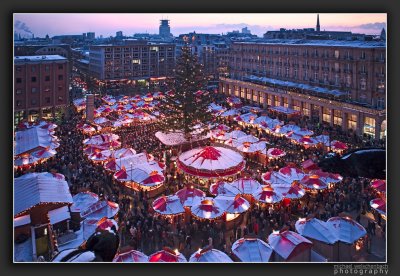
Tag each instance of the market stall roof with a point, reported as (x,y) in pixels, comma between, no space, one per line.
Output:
(167,255)
(379,204)
(267,194)
(59,214)
(211,162)
(313,181)
(246,185)
(292,191)
(101,139)
(326,176)
(379,185)
(207,208)
(32,139)
(236,134)
(168,205)
(252,250)
(132,256)
(101,209)
(209,255)
(120,153)
(338,146)
(316,229)
(230,112)
(233,205)
(223,188)
(347,230)
(22,220)
(284,110)
(92,224)
(176,138)
(292,172)
(285,243)
(189,194)
(25,160)
(83,201)
(265,122)
(35,188)
(275,153)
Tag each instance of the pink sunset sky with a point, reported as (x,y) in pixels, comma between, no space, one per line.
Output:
(106,24)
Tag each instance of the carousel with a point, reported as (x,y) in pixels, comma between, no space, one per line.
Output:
(210,163)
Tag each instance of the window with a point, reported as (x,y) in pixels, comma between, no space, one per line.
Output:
(19,80)
(18,103)
(60,66)
(337,54)
(18,68)
(60,99)
(47,78)
(336,79)
(34,90)
(60,88)
(60,77)
(315,76)
(47,68)
(33,69)
(136,61)
(19,91)
(47,89)
(33,102)
(33,79)
(47,99)
(363,55)
(348,81)
(363,84)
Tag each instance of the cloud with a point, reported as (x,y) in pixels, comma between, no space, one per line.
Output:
(372,26)
(19,25)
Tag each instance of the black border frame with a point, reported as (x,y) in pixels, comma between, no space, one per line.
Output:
(165,6)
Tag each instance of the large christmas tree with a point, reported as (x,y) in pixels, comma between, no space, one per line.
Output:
(186,106)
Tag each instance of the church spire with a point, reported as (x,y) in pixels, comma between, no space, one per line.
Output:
(318,27)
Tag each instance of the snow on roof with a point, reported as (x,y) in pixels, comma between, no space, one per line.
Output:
(296,85)
(233,205)
(328,43)
(209,256)
(246,185)
(347,230)
(32,139)
(22,220)
(58,215)
(316,229)
(252,250)
(207,208)
(39,58)
(286,242)
(168,205)
(175,138)
(132,256)
(35,188)
(83,200)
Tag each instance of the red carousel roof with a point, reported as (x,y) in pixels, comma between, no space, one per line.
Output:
(167,255)
(379,185)
(210,162)
(379,205)
(189,194)
(168,205)
(275,153)
(207,208)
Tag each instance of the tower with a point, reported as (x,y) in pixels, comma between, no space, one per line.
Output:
(383,34)
(318,27)
(165,29)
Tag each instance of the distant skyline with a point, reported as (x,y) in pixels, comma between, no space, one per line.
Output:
(107,24)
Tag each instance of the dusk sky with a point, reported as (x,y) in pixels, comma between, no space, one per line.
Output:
(107,24)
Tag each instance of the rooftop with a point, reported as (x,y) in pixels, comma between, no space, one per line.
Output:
(39,58)
(308,42)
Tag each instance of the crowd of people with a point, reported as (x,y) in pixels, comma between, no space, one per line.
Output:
(143,229)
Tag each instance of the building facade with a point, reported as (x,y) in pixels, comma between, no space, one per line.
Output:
(41,86)
(137,62)
(340,82)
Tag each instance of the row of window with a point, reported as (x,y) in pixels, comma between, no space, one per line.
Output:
(311,52)
(151,48)
(35,90)
(33,68)
(46,78)
(35,101)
